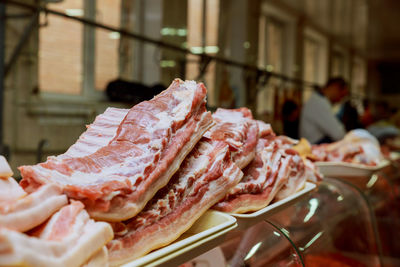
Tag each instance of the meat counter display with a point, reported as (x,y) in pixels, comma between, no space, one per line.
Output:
(351,221)
(143,177)
(137,188)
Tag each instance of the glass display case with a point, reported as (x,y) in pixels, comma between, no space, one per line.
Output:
(332,225)
(381,191)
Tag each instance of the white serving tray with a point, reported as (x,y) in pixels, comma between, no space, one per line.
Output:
(210,228)
(193,250)
(346,169)
(246,220)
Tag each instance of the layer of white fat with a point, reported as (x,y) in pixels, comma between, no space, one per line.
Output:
(98,134)
(44,252)
(74,230)
(180,111)
(238,122)
(372,154)
(10,190)
(35,200)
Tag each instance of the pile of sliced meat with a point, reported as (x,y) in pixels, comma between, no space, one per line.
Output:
(134,159)
(149,172)
(41,229)
(358,146)
(276,172)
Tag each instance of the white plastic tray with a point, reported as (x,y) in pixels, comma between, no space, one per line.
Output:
(193,250)
(245,220)
(346,169)
(209,228)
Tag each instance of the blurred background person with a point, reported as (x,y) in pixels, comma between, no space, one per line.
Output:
(290,119)
(367,118)
(349,116)
(318,123)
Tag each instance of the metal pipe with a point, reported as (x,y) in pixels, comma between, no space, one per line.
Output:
(157,42)
(22,41)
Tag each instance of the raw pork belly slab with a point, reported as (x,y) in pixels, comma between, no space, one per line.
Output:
(28,211)
(116,181)
(237,128)
(69,239)
(272,169)
(205,176)
(358,146)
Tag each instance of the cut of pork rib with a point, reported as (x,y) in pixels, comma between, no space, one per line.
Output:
(117,180)
(22,212)
(271,169)
(98,134)
(68,239)
(204,177)
(237,128)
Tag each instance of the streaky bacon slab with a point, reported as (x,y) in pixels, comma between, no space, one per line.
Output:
(117,180)
(273,168)
(237,128)
(69,239)
(22,212)
(262,179)
(205,176)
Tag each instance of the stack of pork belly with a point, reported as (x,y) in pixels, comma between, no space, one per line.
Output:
(150,172)
(42,229)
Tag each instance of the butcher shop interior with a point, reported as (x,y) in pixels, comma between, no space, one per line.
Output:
(199,133)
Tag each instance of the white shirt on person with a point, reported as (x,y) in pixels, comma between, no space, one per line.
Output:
(318,121)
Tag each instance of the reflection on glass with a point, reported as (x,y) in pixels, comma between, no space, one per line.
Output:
(261,245)
(332,226)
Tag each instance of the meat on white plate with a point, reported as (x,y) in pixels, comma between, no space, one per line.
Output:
(126,168)
(69,239)
(204,177)
(237,128)
(275,167)
(358,146)
(21,211)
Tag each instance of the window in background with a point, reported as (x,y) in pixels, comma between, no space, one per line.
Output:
(203,38)
(60,50)
(311,64)
(107,43)
(337,64)
(310,60)
(271,45)
(358,82)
